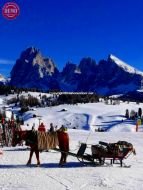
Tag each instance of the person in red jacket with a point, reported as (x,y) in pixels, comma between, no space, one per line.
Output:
(63,144)
(42,127)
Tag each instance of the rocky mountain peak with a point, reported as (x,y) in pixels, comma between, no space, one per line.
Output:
(87,65)
(29,54)
(32,58)
(32,67)
(111,76)
(69,67)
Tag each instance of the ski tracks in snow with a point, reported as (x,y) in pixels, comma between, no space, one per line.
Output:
(62,181)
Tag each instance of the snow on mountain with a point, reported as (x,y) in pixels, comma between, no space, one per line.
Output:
(124,65)
(2,78)
(115,77)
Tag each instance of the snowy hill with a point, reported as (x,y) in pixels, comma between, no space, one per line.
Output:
(74,175)
(87,116)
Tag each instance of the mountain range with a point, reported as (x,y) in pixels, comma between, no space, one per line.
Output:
(111,76)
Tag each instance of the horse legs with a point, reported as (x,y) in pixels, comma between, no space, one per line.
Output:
(37,157)
(30,157)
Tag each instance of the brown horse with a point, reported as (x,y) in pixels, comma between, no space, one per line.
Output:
(31,139)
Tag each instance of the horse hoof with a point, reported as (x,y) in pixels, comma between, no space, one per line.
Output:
(38,165)
(28,163)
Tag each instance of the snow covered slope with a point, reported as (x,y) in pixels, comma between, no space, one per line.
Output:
(125,66)
(74,176)
(14,174)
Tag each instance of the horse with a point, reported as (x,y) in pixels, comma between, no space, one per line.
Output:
(31,139)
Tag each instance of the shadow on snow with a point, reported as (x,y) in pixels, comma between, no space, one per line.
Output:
(44,165)
(107,125)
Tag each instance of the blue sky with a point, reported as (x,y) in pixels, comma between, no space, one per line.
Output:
(72,29)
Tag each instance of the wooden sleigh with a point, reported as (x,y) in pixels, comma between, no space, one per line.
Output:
(100,153)
(115,152)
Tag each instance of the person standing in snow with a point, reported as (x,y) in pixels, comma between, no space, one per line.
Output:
(63,144)
(51,128)
(42,127)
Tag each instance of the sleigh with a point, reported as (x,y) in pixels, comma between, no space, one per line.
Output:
(102,152)
(114,152)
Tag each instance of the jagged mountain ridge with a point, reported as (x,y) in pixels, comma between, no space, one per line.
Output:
(114,77)
(32,70)
(111,76)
